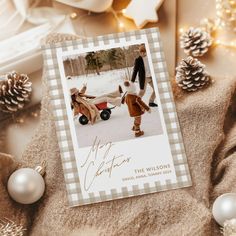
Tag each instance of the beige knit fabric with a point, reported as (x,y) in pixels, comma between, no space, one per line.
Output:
(209,130)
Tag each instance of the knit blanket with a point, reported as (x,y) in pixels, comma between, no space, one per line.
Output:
(208,124)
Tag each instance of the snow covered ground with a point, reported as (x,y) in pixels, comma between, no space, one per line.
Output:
(118,127)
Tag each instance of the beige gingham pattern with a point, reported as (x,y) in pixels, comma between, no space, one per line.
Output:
(62,124)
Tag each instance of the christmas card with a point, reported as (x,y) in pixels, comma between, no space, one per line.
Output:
(115,116)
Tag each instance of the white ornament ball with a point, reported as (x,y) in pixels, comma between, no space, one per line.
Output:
(26,186)
(224,208)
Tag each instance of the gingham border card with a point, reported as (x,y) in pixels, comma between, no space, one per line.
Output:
(64,135)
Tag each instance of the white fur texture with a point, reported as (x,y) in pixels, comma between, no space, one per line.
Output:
(131,89)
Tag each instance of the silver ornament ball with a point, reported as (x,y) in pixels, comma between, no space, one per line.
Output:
(224,208)
(26,186)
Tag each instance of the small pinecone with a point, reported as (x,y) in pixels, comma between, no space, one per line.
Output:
(15,91)
(195,42)
(191,75)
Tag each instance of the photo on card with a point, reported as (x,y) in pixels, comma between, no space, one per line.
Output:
(115,116)
(108,90)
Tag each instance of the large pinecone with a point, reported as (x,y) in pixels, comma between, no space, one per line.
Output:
(195,42)
(15,91)
(191,75)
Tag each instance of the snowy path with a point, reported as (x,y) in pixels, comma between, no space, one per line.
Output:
(118,127)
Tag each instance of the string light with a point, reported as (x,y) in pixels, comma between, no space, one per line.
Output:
(121,25)
(181,30)
(34,114)
(231,44)
(210,26)
(115,14)
(73,15)
(21,121)
(123,11)
(22,116)
(226,14)
(207,24)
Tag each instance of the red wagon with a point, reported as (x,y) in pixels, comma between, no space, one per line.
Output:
(105,113)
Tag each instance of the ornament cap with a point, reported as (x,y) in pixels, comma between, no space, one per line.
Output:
(41,169)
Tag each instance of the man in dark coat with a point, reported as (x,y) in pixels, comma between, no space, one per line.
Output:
(141,67)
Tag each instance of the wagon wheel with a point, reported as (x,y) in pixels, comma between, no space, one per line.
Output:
(105,115)
(109,110)
(83,120)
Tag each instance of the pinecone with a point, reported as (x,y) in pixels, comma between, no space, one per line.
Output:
(15,91)
(195,42)
(191,75)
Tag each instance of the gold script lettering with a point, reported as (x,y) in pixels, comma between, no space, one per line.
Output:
(97,164)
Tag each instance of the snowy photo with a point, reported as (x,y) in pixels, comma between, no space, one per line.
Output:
(112,95)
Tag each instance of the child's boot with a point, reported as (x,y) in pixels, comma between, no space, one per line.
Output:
(139,133)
